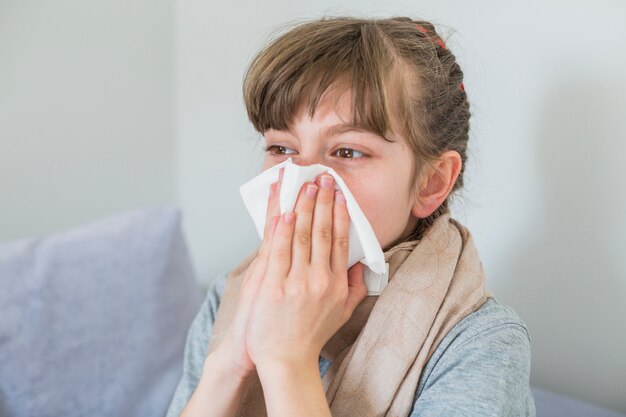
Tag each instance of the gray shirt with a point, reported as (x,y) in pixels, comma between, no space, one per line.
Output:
(480,368)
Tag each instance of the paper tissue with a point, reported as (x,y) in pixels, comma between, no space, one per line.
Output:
(363,247)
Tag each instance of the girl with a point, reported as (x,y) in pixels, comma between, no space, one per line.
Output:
(290,331)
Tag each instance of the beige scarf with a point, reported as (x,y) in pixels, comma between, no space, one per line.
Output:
(379,353)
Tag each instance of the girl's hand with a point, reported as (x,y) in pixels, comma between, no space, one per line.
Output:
(307,292)
(233,350)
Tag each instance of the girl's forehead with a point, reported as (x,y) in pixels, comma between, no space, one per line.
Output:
(329,115)
(333,114)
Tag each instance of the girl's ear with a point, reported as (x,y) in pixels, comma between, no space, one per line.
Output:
(436,183)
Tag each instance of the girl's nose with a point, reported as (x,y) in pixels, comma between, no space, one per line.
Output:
(306,161)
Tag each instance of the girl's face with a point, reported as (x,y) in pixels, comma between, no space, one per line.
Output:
(376,171)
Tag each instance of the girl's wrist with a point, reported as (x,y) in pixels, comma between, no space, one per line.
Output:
(293,387)
(219,390)
(221,363)
(286,366)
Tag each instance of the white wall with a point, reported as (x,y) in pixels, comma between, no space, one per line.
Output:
(86,111)
(111,105)
(543,197)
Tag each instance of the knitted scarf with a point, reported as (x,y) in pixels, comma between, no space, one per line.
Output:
(379,353)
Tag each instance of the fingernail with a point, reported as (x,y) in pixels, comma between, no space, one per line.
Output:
(339,197)
(311,189)
(288,217)
(327,181)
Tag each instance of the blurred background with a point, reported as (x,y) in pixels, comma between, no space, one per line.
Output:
(112,105)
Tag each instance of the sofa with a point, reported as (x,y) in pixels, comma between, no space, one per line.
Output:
(94,320)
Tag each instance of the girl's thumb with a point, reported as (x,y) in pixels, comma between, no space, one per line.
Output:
(357,290)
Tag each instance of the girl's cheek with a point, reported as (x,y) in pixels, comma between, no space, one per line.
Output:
(269,162)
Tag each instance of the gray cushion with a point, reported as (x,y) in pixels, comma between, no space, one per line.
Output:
(94,319)
(551,404)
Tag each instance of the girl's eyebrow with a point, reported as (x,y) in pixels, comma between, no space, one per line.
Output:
(340,128)
(346,127)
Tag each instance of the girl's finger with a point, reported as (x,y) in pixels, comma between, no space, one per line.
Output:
(279,261)
(357,290)
(273,208)
(259,265)
(341,235)
(323,222)
(302,234)
(271,202)
(266,245)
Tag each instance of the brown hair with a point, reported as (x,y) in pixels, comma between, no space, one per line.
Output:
(396,71)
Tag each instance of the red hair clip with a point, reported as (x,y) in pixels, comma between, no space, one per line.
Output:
(420,27)
(437,38)
(440,43)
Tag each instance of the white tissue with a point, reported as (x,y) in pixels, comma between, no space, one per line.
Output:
(363,247)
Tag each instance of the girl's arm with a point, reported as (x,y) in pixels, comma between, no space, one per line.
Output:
(307,293)
(293,389)
(480,369)
(219,390)
(225,372)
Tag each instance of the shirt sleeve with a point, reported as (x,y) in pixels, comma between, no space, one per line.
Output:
(485,374)
(196,346)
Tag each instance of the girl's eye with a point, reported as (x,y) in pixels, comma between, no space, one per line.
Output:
(349,153)
(280,150)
